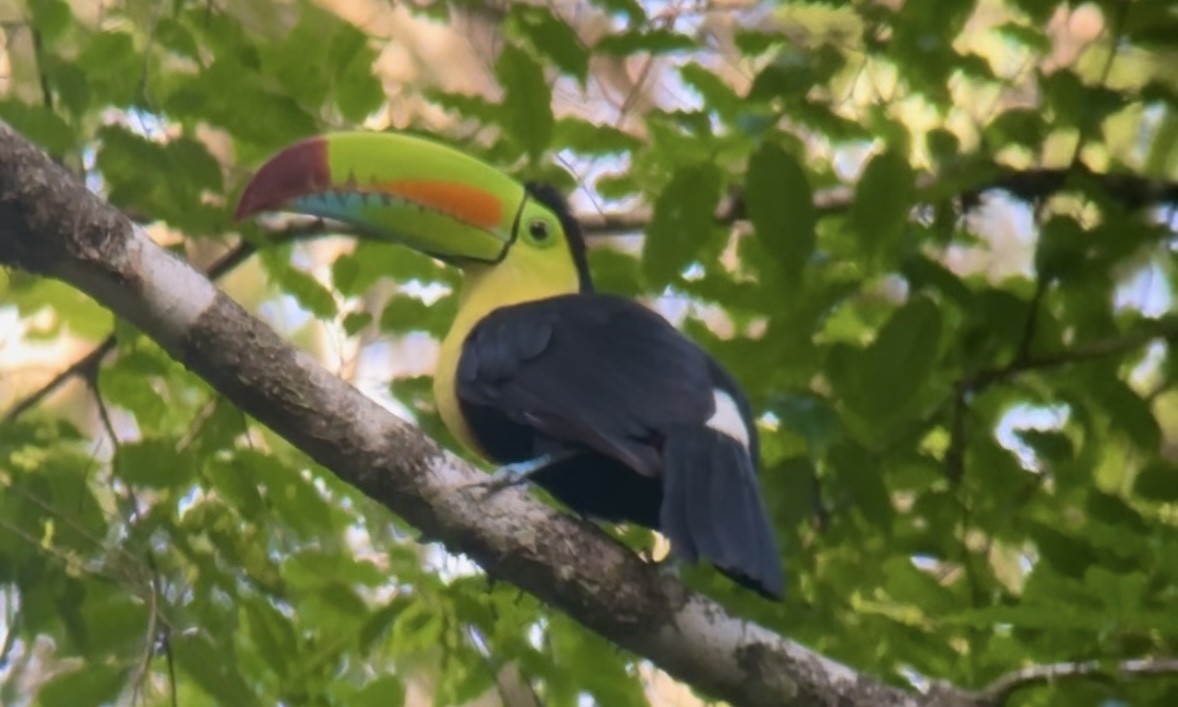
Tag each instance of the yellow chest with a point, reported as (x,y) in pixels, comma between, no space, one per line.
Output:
(515,280)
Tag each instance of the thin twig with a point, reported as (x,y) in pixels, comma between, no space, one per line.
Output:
(1101,348)
(79,367)
(1028,337)
(87,366)
(1130,190)
(1116,25)
(39,55)
(158,628)
(1000,691)
(513,688)
(103,412)
(13,620)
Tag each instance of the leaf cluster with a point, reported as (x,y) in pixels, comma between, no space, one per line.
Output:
(967,405)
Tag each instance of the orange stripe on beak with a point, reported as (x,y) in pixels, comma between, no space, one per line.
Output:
(473,206)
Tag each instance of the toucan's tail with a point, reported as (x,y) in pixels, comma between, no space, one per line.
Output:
(712,509)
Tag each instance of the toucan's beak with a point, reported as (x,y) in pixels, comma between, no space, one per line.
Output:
(394,187)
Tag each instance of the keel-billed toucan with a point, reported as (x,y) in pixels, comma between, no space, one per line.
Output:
(631,420)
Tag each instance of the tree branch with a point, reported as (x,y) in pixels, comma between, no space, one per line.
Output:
(1130,190)
(42,76)
(50,224)
(87,365)
(1165,328)
(1000,691)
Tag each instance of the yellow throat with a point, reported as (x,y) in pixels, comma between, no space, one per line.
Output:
(527,274)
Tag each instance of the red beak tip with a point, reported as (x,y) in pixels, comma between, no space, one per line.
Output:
(298,170)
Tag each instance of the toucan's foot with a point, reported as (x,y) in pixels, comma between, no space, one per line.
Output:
(668,565)
(516,474)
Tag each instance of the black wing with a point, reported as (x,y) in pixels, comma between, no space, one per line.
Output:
(607,374)
(587,369)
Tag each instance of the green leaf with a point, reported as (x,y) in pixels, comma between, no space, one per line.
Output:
(654,41)
(1085,107)
(1128,412)
(780,205)
(358,91)
(884,197)
(205,662)
(190,159)
(632,9)
(1030,37)
(527,105)
(600,668)
(1050,446)
(92,684)
(378,623)
(616,186)
(82,315)
(811,417)
(154,463)
(51,18)
(112,622)
(175,35)
(788,81)
(286,491)
(550,36)
(73,86)
(857,475)
(238,489)
(384,691)
(1038,11)
(1058,618)
(616,272)
(273,635)
(355,322)
(122,67)
(419,627)
(41,125)
(310,293)
(1065,552)
(591,138)
(254,112)
(319,568)
(1019,126)
(354,273)
(715,92)
(404,313)
(130,390)
(754,42)
(467,106)
(683,221)
(881,381)
(1158,482)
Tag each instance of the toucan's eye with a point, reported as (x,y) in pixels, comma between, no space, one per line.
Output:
(538,230)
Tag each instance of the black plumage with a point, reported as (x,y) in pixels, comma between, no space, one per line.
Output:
(614,383)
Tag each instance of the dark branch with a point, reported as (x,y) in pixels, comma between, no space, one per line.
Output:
(39,55)
(1165,329)
(87,366)
(1000,691)
(1131,191)
(84,367)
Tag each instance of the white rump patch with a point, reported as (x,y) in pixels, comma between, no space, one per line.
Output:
(726,419)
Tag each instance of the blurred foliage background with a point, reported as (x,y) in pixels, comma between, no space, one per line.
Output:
(934,239)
